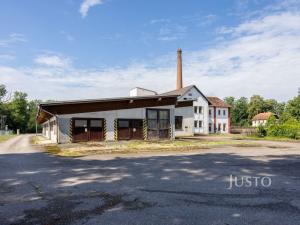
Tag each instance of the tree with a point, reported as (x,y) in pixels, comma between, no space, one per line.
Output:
(256,105)
(239,112)
(32,111)
(293,107)
(18,112)
(3,91)
(271,105)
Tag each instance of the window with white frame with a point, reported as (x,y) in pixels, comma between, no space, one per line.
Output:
(195,109)
(200,123)
(195,123)
(200,109)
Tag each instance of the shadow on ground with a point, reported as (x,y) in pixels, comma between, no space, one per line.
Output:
(37,188)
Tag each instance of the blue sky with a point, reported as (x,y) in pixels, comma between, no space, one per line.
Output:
(102,48)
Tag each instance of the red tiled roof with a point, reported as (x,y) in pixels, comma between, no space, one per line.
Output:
(215,101)
(263,116)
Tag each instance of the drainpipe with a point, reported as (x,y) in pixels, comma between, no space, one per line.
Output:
(215,119)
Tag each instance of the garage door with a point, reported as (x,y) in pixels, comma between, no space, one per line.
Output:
(87,129)
(130,129)
(158,123)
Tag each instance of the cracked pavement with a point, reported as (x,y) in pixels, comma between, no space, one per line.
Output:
(182,188)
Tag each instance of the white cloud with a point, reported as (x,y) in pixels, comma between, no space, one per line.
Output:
(86,5)
(53,60)
(7,57)
(11,39)
(258,58)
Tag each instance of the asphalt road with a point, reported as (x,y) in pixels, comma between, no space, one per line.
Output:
(37,188)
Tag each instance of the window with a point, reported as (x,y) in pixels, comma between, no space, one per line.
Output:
(219,127)
(80,123)
(152,117)
(209,112)
(200,123)
(96,123)
(190,94)
(195,123)
(195,109)
(219,112)
(200,109)
(224,126)
(209,127)
(123,123)
(224,112)
(178,122)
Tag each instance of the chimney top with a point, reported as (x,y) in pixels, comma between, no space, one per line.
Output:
(179,70)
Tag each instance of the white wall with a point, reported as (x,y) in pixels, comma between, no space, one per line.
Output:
(50,129)
(198,100)
(141,92)
(109,116)
(220,119)
(256,123)
(187,121)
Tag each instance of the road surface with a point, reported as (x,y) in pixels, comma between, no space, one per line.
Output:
(37,188)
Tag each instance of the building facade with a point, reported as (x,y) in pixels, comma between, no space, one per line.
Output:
(144,115)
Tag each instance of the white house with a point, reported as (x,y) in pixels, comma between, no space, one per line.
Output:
(144,115)
(262,118)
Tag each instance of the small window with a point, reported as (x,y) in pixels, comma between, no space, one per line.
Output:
(209,127)
(209,112)
(178,122)
(219,112)
(200,109)
(80,123)
(224,112)
(195,109)
(196,123)
(200,123)
(224,126)
(123,123)
(190,94)
(96,123)
(219,127)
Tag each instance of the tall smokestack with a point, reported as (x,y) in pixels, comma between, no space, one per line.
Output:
(179,70)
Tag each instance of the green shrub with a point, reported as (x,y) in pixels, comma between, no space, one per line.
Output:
(261,131)
(289,129)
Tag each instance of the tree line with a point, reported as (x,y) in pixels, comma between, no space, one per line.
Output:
(244,109)
(19,112)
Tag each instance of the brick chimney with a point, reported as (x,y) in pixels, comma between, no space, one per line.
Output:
(179,70)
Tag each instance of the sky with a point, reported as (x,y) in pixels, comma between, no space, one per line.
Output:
(82,49)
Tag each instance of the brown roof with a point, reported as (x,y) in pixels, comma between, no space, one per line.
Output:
(180,91)
(184,90)
(215,101)
(263,116)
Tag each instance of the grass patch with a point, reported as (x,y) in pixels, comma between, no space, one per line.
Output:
(267,138)
(125,147)
(6,137)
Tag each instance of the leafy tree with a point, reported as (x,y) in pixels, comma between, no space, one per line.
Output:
(239,113)
(3,91)
(18,112)
(256,105)
(271,105)
(293,107)
(32,111)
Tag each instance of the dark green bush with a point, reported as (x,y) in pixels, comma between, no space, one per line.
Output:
(261,131)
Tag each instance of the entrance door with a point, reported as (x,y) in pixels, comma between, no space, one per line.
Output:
(87,129)
(80,130)
(129,129)
(96,130)
(137,129)
(158,123)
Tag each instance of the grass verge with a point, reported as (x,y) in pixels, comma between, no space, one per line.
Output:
(267,138)
(125,147)
(6,137)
